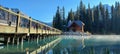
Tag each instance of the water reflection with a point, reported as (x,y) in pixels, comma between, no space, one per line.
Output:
(91,45)
(26,46)
(70,45)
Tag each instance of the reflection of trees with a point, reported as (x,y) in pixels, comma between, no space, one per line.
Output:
(67,46)
(92,51)
(106,51)
(73,46)
(56,49)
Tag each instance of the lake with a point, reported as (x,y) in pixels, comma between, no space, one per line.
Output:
(94,44)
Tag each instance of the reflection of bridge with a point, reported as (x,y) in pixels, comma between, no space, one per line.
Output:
(14,27)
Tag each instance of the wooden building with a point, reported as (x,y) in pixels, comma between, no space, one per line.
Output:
(76,26)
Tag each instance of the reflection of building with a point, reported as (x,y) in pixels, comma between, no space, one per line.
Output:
(76,26)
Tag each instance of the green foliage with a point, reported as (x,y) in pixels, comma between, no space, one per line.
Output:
(98,20)
(59,19)
(70,16)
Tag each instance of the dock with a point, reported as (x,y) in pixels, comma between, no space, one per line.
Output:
(15,27)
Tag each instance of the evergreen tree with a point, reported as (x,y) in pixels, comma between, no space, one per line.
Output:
(112,19)
(107,22)
(70,16)
(81,8)
(102,18)
(64,23)
(57,20)
(77,14)
(97,20)
(89,19)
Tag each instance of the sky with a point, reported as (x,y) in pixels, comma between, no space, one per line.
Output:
(44,10)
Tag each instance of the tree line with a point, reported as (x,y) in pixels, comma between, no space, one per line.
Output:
(98,19)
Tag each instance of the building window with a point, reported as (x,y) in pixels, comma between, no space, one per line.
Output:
(44,27)
(24,22)
(3,15)
(34,25)
(13,18)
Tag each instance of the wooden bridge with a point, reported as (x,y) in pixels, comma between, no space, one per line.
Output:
(15,27)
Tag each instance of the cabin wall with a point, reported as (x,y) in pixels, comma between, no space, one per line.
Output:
(76,29)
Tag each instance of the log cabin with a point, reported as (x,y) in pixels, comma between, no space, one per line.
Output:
(76,26)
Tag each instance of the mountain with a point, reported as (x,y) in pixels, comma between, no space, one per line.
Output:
(50,23)
(107,6)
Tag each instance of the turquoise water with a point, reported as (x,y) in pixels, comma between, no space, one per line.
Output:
(88,45)
(95,44)
(27,45)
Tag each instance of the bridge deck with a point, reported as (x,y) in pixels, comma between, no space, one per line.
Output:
(17,23)
(15,27)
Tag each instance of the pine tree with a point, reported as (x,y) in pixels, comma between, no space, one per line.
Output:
(70,16)
(64,23)
(63,16)
(81,12)
(89,19)
(57,20)
(107,22)
(116,17)
(112,19)
(77,14)
(97,20)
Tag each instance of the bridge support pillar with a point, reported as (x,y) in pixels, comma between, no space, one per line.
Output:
(21,40)
(28,38)
(37,38)
(13,40)
(34,37)
(17,40)
(8,40)
(42,36)
(31,38)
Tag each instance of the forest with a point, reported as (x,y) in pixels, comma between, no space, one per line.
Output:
(98,19)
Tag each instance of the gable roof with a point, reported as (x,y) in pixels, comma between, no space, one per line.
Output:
(78,22)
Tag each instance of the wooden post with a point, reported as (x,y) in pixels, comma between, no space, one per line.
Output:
(28,39)
(8,40)
(40,37)
(37,39)
(21,40)
(9,16)
(45,30)
(37,27)
(17,40)
(13,40)
(31,38)
(29,24)
(18,22)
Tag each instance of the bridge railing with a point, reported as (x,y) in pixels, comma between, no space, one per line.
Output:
(16,22)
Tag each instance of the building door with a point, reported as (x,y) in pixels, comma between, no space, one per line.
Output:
(74,30)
